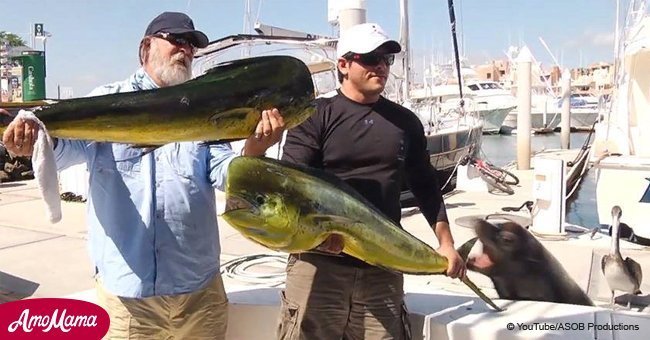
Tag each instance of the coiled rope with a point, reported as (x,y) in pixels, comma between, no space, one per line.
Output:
(239,269)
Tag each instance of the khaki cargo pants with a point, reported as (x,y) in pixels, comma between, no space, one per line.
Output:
(329,300)
(199,315)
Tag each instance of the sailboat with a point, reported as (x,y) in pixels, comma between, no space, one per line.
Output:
(450,135)
(621,148)
(486,98)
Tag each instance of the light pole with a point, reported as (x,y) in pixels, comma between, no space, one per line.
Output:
(45,36)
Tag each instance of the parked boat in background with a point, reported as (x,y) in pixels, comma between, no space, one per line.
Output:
(543,111)
(493,102)
(621,149)
(584,100)
(486,98)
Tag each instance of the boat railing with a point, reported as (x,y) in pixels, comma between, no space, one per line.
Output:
(635,13)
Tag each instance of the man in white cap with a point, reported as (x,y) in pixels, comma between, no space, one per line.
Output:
(152,224)
(374,145)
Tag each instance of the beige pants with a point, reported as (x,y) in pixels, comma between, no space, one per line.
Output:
(199,315)
(326,300)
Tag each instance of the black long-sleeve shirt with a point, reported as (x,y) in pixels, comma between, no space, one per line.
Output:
(372,147)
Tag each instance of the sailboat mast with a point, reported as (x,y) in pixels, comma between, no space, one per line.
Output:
(452,21)
(245,52)
(404,41)
(616,58)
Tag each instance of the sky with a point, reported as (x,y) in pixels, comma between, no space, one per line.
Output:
(95,42)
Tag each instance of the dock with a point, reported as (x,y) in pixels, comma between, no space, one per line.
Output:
(39,259)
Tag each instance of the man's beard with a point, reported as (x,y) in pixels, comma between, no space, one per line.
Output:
(175,70)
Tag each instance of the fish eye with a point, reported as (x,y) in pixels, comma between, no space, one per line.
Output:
(259,199)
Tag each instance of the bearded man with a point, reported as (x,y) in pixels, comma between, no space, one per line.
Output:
(152,225)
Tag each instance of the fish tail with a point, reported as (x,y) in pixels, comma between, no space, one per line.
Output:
(480,293)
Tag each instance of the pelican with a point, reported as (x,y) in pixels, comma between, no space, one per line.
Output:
(623,275)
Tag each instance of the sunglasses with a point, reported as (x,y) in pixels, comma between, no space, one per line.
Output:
(371,59)
(175,39)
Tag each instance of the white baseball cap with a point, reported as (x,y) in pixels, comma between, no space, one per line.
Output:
(364,38)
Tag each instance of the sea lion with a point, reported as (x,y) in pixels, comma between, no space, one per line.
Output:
(519,266)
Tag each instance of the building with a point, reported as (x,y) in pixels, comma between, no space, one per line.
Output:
(597,78)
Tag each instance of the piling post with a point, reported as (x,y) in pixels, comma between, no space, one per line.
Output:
(524,62)
(565,127)
(351,12)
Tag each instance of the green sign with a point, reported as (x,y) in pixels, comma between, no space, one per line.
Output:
(33,75)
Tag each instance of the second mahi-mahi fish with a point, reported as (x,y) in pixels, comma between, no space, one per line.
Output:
(293,209)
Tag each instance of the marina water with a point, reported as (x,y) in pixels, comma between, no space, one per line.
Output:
(501,150)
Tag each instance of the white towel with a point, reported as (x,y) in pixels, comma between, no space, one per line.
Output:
(45,168)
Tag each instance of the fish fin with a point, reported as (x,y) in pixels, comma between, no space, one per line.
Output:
(464,250)
(320,252)
(144,146)
(238,114)
(333,223)
(236,122)
(220,141)
(480,293)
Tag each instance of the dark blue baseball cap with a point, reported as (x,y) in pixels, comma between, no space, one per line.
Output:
(177,23)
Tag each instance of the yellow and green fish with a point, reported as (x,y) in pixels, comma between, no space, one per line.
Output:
(293,209)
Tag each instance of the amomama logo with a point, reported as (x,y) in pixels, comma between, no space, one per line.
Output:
(51,318)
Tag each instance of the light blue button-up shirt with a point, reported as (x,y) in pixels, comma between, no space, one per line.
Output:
(152,222)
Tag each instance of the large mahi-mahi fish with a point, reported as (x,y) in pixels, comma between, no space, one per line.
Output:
(223,104)
(293,209)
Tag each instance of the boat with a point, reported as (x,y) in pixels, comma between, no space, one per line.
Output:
(486,98)
(493,102)
(584,100)
(621,148)
(544,114)
(452,131)
(585,109)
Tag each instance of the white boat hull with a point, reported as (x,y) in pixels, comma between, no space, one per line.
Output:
(622,181)
(580,119)
(537,121)
(493,119)
(635,214)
